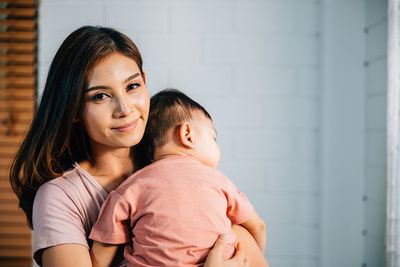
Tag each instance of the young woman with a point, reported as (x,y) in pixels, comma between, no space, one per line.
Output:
(80,145)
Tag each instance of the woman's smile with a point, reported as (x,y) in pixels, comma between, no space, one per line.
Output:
(127,127)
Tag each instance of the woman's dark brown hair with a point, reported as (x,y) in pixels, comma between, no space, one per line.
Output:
(56,138)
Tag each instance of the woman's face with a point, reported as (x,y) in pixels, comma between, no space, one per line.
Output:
(117,104)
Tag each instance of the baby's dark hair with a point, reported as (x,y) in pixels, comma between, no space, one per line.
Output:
(168,108)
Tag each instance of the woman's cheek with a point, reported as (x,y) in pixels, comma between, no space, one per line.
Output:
(144,102)
(94,118)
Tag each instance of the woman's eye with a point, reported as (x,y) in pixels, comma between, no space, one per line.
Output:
(99,97)
(133,86)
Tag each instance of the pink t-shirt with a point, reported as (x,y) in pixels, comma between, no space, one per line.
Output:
(172,211)
(65,210)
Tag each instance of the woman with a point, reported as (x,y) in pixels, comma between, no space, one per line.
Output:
(93,110)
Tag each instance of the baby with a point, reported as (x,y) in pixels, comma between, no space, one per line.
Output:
(171,212)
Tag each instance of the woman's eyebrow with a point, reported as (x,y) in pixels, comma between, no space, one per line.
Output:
(132,77)
(97,87)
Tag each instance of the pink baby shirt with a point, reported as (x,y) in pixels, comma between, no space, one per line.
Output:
(170,213)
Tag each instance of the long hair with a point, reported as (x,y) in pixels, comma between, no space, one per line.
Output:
(56,137)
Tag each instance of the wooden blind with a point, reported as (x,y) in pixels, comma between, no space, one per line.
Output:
(18,36)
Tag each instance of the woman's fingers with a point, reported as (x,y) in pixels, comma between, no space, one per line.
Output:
(238,260)
(246,262)
(240,254)
(216,256)
(220,244)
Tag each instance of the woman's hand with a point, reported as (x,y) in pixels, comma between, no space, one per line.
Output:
(216,256)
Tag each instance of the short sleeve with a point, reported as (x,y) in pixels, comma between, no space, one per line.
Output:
(239,207)
(112,226)
(56,220)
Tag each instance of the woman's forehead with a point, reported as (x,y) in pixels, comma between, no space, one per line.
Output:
(114,68)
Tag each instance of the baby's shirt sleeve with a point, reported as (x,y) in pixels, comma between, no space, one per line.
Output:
(113,224)
(239,207)
(56,220)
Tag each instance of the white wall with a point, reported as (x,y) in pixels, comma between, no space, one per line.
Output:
(375,131)
(342,133)
(353,132)
(286,100)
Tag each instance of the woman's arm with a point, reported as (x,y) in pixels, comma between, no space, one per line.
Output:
(247,253)
(250,247)
(257,228)
(59,237)
(66,255)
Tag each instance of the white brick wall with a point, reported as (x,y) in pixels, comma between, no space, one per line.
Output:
(375,161)
(256,66)
(342,133)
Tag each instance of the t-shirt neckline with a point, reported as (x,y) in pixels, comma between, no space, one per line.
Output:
(91,179)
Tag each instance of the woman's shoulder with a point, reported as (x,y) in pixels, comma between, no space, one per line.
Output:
(67,204)
(74,191)
(60,214)
(76,180)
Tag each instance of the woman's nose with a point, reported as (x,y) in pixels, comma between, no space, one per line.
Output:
(123,107)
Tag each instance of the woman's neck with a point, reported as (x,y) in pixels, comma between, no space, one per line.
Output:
(110,168)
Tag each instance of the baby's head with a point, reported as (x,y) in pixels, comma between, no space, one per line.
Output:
(178,125)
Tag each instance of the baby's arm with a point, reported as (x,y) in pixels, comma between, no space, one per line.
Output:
(257,228)
(110,230)
(102,255)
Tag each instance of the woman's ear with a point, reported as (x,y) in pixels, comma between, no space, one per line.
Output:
(185,135)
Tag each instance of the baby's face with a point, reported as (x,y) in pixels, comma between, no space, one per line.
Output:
(205,140)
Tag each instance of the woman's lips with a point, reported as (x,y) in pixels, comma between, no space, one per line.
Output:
(127,126)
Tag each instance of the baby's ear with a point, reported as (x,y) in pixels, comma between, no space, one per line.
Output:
(185,135)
